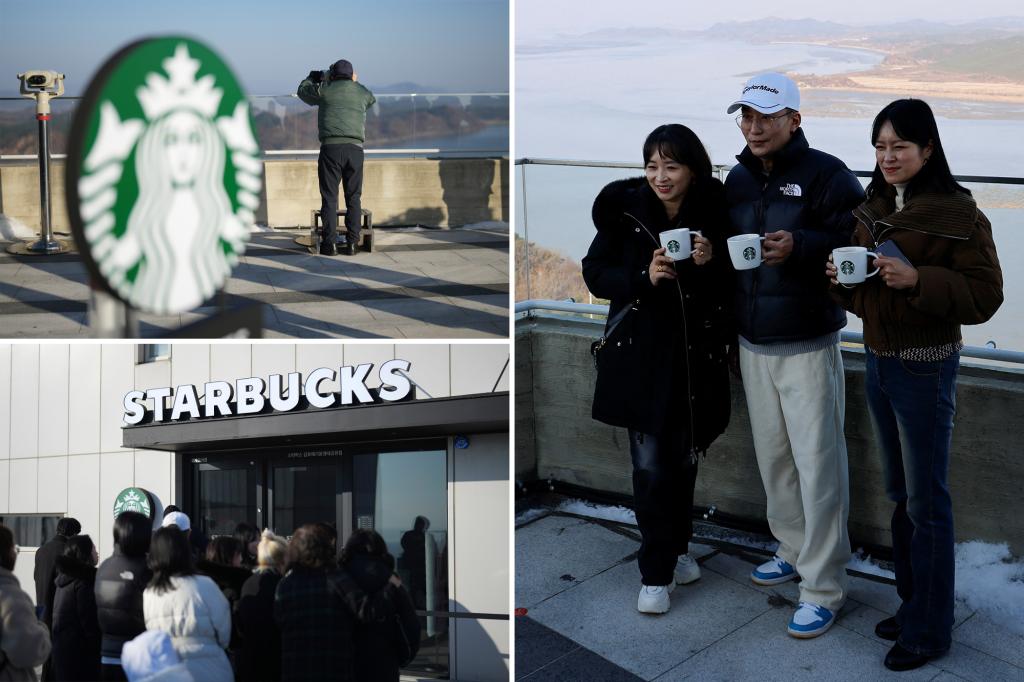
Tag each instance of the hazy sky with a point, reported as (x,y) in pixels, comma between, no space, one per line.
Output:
(534,18)
(457,45)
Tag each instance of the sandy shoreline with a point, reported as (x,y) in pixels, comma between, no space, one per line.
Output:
(898,87)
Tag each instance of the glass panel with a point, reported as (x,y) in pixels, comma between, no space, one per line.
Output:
(155,351)
(226,497)
(305,493)
(31,531)
(404,497)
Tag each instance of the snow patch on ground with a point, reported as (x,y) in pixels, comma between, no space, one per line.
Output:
(493,225)
(863,563)
(989,580)
(12,229)
(598,511)
(530,515)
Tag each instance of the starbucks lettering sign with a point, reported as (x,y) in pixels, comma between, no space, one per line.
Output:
(133,500)
(163,174)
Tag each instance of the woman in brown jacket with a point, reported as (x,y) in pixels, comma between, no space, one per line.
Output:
(912,312)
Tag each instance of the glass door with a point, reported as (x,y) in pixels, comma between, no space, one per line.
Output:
(308,487)
(227,491)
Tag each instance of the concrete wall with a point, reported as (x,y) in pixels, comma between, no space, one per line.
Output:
(444,193)
(480,533)
(567,445)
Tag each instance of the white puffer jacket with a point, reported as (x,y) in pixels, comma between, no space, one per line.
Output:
(197,617)
(24,641)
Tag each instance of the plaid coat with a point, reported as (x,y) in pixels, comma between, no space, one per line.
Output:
(316,628)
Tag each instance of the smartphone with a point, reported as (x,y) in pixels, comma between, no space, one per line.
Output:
(889,249)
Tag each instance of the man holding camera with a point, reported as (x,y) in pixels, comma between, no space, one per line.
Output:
(341,122)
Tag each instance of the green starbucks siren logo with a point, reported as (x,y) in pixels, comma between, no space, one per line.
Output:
(133,500)
(673,246)
(847,267)
(749,253)
(164,174)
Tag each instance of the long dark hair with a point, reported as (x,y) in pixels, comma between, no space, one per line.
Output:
(7,553)
(169,555)
(912,120)
(132,533)
(78,549)
(223,549)
(677,142)
(364,542)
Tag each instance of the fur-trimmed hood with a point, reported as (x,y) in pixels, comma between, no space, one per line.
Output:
(635,196)
(70,570)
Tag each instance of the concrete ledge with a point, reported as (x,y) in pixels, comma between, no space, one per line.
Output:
(557,438)
(434,192)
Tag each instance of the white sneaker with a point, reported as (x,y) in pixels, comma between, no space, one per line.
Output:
(687,570)
(654,598)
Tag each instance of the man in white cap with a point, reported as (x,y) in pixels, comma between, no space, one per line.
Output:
(800,201)
(177,518)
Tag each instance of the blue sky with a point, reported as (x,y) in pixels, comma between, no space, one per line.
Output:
(454,45)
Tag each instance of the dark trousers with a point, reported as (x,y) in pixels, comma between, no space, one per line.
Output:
(663,478)
(912,406)
(340,163)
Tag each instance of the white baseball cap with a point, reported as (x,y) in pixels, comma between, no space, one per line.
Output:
(177,519)
(768,93)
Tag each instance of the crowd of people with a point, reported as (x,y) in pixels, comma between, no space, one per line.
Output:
(245,607)
(679,318)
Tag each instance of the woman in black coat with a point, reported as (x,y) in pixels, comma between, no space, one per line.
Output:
(663,370)
(120,581)
(76,633)
(259,652)
(387,632)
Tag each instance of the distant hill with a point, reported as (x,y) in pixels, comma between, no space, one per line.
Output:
(1003,58)
(552,276)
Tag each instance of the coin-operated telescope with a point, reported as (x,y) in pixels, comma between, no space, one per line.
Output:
(42,86)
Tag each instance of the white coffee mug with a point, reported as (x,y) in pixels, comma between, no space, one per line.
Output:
(677,242)
(852,264)
(745,251)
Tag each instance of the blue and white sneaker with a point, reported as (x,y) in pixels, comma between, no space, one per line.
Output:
(810,620)
(773,572)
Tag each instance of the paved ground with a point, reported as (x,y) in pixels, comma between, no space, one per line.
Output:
(417,283)
(577,580)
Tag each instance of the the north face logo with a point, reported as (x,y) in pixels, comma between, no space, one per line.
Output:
(165,175)
(791,190)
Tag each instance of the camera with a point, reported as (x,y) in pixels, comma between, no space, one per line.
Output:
(33,82)
(317,76)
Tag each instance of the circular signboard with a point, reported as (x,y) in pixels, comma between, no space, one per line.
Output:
(133,500)
(163,174)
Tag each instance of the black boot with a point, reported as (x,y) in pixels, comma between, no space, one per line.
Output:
(349,249)
(899,659)
(888,629)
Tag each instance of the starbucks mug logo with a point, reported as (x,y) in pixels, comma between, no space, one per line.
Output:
(847,267)
(749,253)
(673,246)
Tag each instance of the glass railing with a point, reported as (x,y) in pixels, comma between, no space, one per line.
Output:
(464,124)
(554,229)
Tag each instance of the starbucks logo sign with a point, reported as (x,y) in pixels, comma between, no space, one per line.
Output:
(673,246)
(163,174)
(133,500)
(847,267)
(749,253)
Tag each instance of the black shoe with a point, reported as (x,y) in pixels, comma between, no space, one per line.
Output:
(888,629)
(328,250)
(900,659)
(349,249)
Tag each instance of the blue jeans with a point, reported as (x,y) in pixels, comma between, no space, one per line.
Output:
(912,406)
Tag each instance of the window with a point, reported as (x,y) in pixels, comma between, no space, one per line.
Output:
(30,530)
(151,352)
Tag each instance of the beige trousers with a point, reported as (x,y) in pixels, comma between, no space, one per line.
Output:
(797,406)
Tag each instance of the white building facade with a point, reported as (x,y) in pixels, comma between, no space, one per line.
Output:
(422,456)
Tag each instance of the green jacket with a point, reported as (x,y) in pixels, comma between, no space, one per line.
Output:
(343,104)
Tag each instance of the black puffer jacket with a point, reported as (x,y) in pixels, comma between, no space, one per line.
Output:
(644,370)
(76,632)
(259,653)
(384,614)
(120,582)
(812,195)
